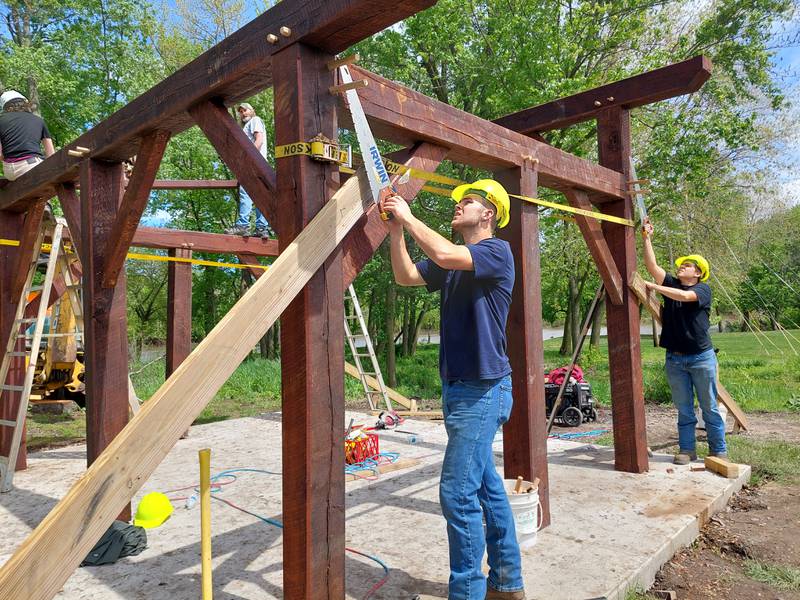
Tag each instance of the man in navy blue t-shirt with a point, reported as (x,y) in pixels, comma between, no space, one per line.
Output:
(475,280)
(691,364)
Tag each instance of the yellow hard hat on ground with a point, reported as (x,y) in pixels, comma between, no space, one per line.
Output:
(153,510)
(698,260)
(492,191)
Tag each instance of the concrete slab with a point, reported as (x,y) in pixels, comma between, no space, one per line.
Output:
(611,531)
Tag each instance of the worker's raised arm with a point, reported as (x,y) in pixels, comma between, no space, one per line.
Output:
(650,256)
(404,269)
(49,149)
(443,252)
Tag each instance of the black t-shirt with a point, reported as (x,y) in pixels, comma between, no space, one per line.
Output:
(21,133)
(685,324)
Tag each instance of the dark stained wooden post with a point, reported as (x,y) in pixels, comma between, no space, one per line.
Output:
(11,224)
(312,342)
(525,434)
(179,309)
(624,352)
(105,321)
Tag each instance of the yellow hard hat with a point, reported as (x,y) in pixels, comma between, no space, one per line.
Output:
(492,191)
(153,510)
(698,260)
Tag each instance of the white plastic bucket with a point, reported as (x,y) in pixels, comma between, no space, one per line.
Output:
(526,510)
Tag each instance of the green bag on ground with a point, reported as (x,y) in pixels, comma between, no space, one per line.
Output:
(121,539)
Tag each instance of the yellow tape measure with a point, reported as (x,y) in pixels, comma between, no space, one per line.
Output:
(394,168)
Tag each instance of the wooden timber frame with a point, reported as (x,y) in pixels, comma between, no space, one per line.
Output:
(327,233)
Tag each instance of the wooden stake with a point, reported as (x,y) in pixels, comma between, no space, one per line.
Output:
(518,487)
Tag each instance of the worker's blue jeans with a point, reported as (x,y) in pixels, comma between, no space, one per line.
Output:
(687,373)
(245,206)
(470,488)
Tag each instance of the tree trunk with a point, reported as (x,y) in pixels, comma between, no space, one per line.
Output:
(417,325)
(566,336)
(656,337)
(597,323)
(575,311)
(391,367)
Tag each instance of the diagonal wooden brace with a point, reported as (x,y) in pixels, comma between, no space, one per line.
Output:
(593,234)
(134,203)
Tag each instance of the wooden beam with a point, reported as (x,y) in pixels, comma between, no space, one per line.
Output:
(312,341)
(10,226)
(624,349)
(26,249)
(368,234)
(239,154)
(71,207)
(202,241)
(236,68)
(134,202)
(598,248)
(401,115)
(105,319)
(667,82)
(83,515)
(393,394)
(179,310)
(525,434)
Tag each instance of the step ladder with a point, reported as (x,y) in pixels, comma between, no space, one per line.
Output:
(353,317)
(56,261)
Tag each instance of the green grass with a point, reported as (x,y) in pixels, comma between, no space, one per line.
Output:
(638,594)
(760,375)
(782,578)
(770,460)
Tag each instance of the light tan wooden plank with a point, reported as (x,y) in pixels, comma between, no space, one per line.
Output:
(393,394)
(402,463)
(44,561)
(723,467)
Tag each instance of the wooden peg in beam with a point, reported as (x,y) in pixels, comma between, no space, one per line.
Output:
(343,87)
(345,60)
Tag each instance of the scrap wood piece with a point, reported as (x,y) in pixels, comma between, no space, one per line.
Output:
(430,414)
(393,394)
(723,467)
(71,529)
(401,463)
(649,300)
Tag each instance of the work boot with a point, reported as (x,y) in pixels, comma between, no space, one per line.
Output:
(263,232)
(497,595)
(720,455)
(684,457)
(237,230)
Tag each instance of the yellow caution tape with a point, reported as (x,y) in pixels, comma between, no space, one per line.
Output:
(160,258)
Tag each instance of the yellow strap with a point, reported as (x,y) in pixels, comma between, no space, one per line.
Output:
(4,242)
(329,151)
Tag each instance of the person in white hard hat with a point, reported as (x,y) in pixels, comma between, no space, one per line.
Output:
(23,136)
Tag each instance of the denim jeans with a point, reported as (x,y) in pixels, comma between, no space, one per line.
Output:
(245,206)
(687,374)
(471,489)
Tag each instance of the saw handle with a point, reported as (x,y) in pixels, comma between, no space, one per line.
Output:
(385,193)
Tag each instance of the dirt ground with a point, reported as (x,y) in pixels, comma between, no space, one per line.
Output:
(760,523)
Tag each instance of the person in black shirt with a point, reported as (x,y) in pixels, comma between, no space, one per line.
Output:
(22,136)
(691,363)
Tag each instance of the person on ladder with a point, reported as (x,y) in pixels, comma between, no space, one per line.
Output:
(691,363)
(475,281)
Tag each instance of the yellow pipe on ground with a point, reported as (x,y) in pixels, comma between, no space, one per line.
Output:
(205,522)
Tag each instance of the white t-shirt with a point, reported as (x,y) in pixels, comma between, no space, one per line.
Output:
(253,126)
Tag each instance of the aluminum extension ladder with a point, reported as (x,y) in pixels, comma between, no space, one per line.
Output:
(57,263)
(352,314)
